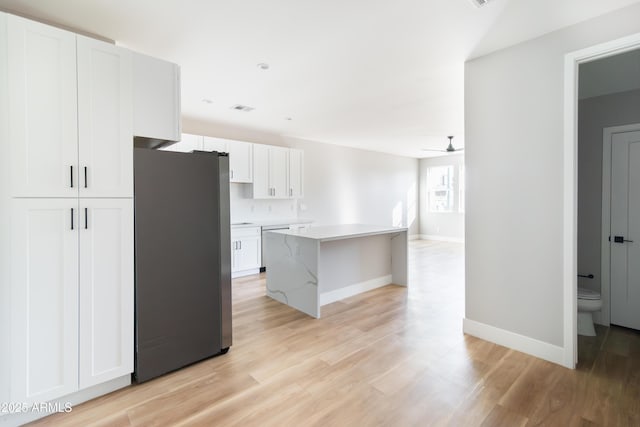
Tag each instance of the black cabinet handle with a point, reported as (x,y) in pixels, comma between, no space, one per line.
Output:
(72,218)
(71,174)
(86,218)
(85,177)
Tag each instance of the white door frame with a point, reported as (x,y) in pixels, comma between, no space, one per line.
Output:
(605,263)
(570,165)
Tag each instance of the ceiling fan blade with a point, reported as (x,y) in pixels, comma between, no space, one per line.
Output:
(432,149)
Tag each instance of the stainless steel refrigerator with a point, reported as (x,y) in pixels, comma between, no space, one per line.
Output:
(182,259)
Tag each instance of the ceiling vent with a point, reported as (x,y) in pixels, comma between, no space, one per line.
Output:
(240,107)
(480,3)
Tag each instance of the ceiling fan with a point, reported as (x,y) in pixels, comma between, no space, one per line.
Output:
(450,148)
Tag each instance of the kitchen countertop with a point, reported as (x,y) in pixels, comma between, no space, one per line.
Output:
(270,222)
(344,231)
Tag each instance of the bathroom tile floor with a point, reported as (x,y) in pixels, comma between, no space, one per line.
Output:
(394,356)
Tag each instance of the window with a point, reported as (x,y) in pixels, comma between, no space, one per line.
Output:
(445,188)
(440,187)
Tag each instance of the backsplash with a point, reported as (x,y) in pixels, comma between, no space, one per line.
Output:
(244,208)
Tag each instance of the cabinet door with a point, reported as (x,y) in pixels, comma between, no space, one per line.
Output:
(42,110)
(279,171)
(104,119)
(296,173)
(156,98)
(248,255)
(106,290)
(44,299)
(240,161)
(261,187)
(215,144)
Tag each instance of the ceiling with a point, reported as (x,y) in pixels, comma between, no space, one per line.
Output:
(375,74)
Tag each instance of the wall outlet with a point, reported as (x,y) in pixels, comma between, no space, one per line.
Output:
(303,207)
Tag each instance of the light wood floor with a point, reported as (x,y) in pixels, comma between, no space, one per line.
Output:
(390,357)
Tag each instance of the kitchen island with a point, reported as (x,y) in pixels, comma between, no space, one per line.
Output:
(307,269)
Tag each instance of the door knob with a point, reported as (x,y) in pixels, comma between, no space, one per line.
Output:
(620,239)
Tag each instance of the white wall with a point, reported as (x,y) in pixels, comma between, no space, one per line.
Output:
(5,326)
(514,167)
(439,225)
(342,185)
(595,114)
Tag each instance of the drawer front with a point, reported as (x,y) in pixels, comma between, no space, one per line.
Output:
(245,232)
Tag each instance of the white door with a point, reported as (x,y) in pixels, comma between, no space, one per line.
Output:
(261,187)
(106,289)
(44,299)
(279,172)
(105,119)
(240,162)
(625,229)
(296,173)
(42,110)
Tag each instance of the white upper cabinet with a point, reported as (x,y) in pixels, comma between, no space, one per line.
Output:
(296,173)
(71,131)
(42,110)
(261,186)
(240,157)
(156,98)
(210,143)
(270,172)
(240,161)
(104,119)
(279,172)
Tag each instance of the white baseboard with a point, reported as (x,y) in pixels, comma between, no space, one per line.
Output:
(540,349)
(355,289)
(414,237)
(36,412)
(441,238)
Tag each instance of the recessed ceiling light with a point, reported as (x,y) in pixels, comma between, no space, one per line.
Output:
(480,3)
(240,107)
(207,101)
(263,66)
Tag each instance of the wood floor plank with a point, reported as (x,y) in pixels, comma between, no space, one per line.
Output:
(393,356)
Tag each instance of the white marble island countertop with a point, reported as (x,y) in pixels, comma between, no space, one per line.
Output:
(343,231)
(270,222)
(307,269)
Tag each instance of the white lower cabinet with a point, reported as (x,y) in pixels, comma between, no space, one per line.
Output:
(246,250)
(44,299)
(71,295)
(106,290)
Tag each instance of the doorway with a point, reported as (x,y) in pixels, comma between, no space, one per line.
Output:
(573,62)
(586,222)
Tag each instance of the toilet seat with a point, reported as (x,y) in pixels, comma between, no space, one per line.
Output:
(588,294)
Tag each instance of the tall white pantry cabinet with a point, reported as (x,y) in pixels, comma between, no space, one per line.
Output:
(66,194)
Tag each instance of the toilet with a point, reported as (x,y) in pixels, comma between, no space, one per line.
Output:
(588,302)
